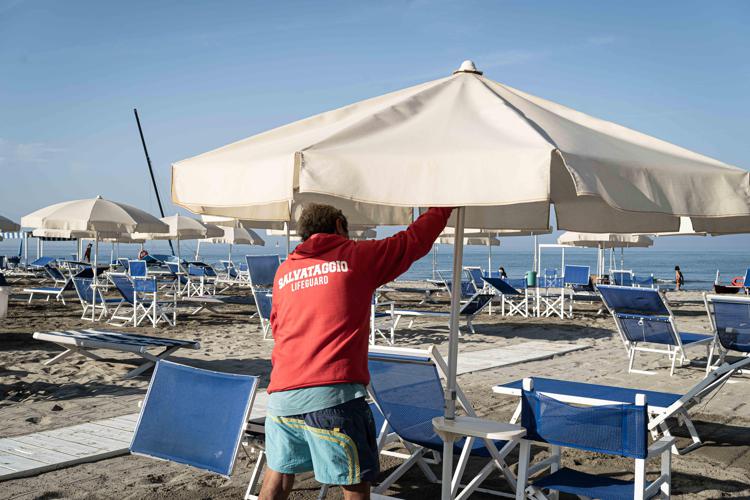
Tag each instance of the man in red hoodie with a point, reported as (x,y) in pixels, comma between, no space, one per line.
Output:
(317,415)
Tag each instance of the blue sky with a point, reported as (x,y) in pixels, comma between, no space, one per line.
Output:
(203,74)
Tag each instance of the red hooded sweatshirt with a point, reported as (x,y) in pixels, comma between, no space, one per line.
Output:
(321,302)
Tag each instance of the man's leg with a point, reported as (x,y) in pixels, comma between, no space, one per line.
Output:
(287,454)
(359,491)
(276,486)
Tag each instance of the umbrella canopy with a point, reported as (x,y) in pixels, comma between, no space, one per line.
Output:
(604,240)
(94,214)
(231,221)
(8,225)
(42,232)
(238,235)
(180,227)
(354,234)
(375,156)
(502,156)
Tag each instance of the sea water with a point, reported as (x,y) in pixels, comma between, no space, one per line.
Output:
(698,267)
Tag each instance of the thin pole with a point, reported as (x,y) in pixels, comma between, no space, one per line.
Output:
(450,391)
(288,242)
(150,169)
(93,282)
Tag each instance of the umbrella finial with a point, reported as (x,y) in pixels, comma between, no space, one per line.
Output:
(468,67)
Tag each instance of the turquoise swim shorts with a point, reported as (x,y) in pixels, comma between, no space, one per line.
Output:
(338,443)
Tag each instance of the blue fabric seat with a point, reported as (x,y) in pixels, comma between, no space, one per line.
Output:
(408,390)
(596,391)
(261,271)
(611,429)
(643,317)
(730,319)
(194,417)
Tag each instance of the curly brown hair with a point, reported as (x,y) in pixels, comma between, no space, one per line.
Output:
(319,218)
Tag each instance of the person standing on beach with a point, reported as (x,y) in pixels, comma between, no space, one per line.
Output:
(87,253)
(318,418)
(679,279)
(502,273)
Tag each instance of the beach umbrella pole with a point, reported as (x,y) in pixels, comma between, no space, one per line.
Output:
(230,254)
(450,391)
(93,282)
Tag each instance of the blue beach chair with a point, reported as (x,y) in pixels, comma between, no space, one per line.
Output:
(406,386)
(92,298)
(511,295)
(622,277)
(469,310)
(62,284)
(643,318)
(194,417)
(730,320)
(137,268)
(619,430)
(261,271)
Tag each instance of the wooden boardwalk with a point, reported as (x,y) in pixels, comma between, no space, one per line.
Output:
(32,454)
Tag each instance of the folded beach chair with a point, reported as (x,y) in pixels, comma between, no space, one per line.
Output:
(577,282)
(261,271)
(468,288)
(406,386)
(517,301)
(137,268)
(643,318)
(469,310)
(383,321)
(194,417)
(83,341)
(619,430)
(621,277)
(61,285)
(91,297)
(730,320)
(662,406)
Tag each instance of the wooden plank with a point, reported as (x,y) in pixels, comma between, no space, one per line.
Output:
(122,425)
(16,463)
(52,443)
(103,431)
(84,436)
(41,454)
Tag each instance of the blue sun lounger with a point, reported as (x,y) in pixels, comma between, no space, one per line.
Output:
(91,297)
(406,386)
(642,317)
(516,300)
(469,310)
(730,321)
(194,417)
(61,285)
(619,430)
(661,405)
(83,341)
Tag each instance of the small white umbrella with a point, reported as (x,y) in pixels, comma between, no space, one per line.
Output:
(180,228)
(488,239)
(8,225)
(452,142)
(604,241)
(96,215)
(236,235)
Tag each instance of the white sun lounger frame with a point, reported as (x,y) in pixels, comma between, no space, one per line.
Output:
(658,415)
(75,342)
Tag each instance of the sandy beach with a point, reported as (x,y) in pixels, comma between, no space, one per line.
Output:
(35,398)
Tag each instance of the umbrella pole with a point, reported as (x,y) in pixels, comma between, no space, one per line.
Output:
(450,391)
(93,295)
(198,250)
(230,254)
(434,260)
(288,243)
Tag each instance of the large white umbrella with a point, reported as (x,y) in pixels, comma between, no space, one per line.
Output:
(478,238)
(95,215)
(8,225)
(502,156)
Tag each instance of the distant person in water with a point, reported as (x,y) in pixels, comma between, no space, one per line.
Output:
(87,253)
(679,279)
(503,274)
(142,254)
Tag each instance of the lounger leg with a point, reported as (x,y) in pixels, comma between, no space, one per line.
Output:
(523,469)
(516,414)
(151,360)
(693,433)
(255,476)
(400,470)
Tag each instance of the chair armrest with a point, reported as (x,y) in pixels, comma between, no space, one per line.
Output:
(478,428)
(660,446)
